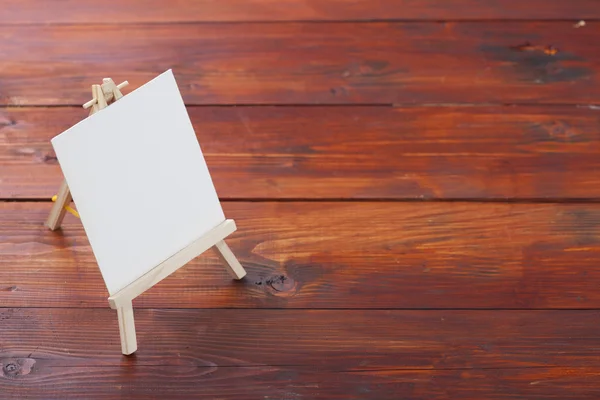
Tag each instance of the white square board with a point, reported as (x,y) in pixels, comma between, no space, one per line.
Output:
(139,181)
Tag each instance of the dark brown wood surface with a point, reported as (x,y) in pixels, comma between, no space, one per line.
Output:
(359,153)
(313,353)
(337,255)
(336,340)
(307,63)
(136,11)
(415,184)
(184,382)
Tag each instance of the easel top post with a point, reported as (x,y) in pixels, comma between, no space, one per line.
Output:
(109,92)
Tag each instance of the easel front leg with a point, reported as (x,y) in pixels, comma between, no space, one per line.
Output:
(57,213)
(229,259)
(127,327)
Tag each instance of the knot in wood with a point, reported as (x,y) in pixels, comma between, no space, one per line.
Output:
(281,283)
(12,368)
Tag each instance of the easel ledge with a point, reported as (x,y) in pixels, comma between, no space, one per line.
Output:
(122,300)
(178,260)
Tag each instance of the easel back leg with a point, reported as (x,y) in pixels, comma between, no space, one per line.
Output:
(57,213)
(229,259)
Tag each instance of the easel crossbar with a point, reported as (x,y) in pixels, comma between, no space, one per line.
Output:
(172,264)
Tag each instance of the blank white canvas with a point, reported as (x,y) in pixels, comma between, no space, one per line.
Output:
(139,181)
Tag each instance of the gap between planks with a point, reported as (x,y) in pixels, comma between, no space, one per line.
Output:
(311,21)
(565,200)
(341,371)
(591,106)
(283,309)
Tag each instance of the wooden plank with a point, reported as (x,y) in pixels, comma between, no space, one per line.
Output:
(317,354)
(306,63)
(352,152)
(336,255)
(140,11)
(339,340)
(127,380)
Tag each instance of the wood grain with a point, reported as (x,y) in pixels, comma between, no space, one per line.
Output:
(306,63)
(143,382)
(352,152)
(336,255)
(338,340)
(370,299)
(302,354)
(140,11)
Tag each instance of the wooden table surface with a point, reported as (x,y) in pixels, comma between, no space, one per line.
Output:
(416,185)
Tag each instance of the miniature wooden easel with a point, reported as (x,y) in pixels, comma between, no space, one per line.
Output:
(103,95)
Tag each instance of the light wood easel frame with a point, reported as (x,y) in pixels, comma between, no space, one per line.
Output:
(121,301)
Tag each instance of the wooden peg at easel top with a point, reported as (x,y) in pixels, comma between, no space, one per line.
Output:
(108,90)
(112,91)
